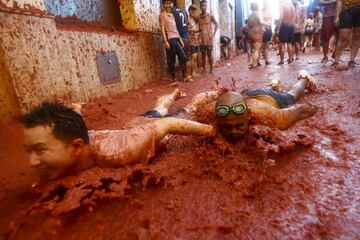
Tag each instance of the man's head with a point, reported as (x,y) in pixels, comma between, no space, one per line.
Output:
(55,137)
(254,6)
(203,6)
(232,115)
(295,2)
(192,10)
(311,15)
(316,10)
(167,5)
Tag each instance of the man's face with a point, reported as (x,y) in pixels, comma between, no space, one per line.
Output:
(46,153)
(168,6)
(192,13)
(203,7)
(295,2)
(233,127)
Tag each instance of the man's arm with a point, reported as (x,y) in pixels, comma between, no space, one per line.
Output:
(286,117)
(215,23)
(339,5)
(260,18)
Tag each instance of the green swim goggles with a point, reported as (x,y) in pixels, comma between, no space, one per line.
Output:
(237,108)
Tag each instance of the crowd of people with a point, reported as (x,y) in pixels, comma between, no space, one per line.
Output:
(334,24)
(185,34)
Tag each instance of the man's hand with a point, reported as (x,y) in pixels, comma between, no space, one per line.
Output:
(337,21)
(167,45)
(182,43)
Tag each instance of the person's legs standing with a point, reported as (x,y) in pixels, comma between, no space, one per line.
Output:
(171,59)
(355,43)
(290,40)
(345,29)
(203,50)
(210,57)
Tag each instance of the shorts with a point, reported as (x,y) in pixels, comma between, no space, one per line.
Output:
(350,18)
(309,32)
(297,38)
(194,49)
(204,48)
(281,98)
(152,114)
(287,33)
(267,35)
(155,114)
(328,28)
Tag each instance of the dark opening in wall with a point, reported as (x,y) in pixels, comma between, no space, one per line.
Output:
(103,12)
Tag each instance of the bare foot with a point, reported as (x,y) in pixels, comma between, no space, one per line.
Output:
(274,84)
(312,83)
(324,60)
(280,63)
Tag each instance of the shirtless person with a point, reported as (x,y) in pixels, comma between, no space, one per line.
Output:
(265,106)
(194,39)
(267,31)
(287,30)
(58,142)
(256,24)
(172,40)
(300,15)
(207,34)
(328,27)
(348,19)
(318,19)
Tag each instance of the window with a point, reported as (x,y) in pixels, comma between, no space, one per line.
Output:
(102,12)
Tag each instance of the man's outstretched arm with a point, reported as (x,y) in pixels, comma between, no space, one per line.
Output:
(286,117)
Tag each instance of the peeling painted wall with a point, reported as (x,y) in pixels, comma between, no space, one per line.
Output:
(48,63)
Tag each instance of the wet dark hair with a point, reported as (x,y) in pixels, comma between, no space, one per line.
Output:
(164,1)
(67,124)
(254,6)
(203,1)
(192,7)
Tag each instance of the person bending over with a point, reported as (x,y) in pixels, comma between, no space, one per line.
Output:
(225,46)
(58,142)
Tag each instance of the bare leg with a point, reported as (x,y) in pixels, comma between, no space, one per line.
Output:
(325,51)
(306,81)
(282,53)
(266,52)
(290,52)
(209,54)
(203,57)
(342,43)
(255,60)
(355,43)
(181,126)
(164,102)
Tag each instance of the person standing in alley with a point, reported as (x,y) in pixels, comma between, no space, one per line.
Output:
(172,40)
(207,33)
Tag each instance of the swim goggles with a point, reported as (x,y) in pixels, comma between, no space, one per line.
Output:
(237,108)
